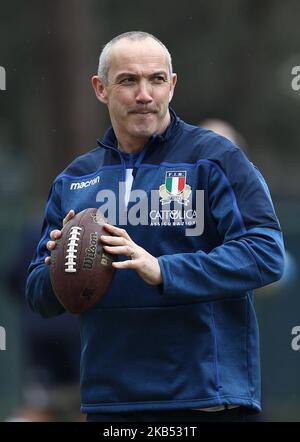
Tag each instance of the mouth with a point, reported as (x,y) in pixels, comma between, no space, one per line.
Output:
(142,112)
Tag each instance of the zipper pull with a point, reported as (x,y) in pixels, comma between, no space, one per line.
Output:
(134,172)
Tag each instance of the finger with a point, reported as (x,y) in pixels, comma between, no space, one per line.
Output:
(114,240)
(116,231)
(48,260)
(55,234)
(122,250)
(69,216)
(51,245)
(128,264)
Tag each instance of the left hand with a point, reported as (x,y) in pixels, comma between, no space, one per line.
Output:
(146,265)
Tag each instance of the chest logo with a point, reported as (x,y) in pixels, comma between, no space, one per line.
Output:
(175,188)
(84,184)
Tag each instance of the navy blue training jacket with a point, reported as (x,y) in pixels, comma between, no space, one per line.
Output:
(193,341)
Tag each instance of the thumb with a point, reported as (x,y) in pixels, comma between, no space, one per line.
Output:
(69,216)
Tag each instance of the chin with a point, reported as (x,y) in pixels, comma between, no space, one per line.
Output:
(142,131)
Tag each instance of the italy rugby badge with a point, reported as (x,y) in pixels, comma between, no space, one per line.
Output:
(175,188)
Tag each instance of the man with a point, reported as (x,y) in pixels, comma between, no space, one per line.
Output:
(176,335)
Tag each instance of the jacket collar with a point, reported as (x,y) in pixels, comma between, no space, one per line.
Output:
(109,139)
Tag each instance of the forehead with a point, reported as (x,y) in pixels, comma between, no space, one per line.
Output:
(137,55)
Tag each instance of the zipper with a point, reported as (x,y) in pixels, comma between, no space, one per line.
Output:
(123,163)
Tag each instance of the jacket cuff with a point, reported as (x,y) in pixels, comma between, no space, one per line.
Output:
(165,288)
(40,294)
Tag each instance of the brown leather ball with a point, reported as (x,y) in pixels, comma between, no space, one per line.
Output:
(80,270)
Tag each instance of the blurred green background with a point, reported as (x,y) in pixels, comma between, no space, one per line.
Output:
(234,62)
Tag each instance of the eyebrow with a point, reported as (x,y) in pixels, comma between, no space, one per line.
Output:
(132,74)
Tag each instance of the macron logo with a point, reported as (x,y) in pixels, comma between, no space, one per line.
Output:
(84,184)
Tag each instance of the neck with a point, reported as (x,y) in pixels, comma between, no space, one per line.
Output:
(131,146)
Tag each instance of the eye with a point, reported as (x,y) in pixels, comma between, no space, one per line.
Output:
(158,79)
(128,81)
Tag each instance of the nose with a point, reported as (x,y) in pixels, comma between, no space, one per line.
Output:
(144,93)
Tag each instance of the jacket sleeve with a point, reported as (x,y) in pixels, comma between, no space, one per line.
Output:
(251,250)
(39,292)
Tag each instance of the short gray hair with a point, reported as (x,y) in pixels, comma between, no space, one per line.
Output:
(134,36)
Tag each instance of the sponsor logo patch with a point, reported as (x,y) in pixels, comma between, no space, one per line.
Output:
(84,184)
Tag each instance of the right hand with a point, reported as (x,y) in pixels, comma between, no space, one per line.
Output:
(56,234)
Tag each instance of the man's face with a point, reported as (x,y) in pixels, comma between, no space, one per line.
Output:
(138,90)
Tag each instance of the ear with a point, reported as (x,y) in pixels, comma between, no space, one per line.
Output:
(100,89)
(172,86)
